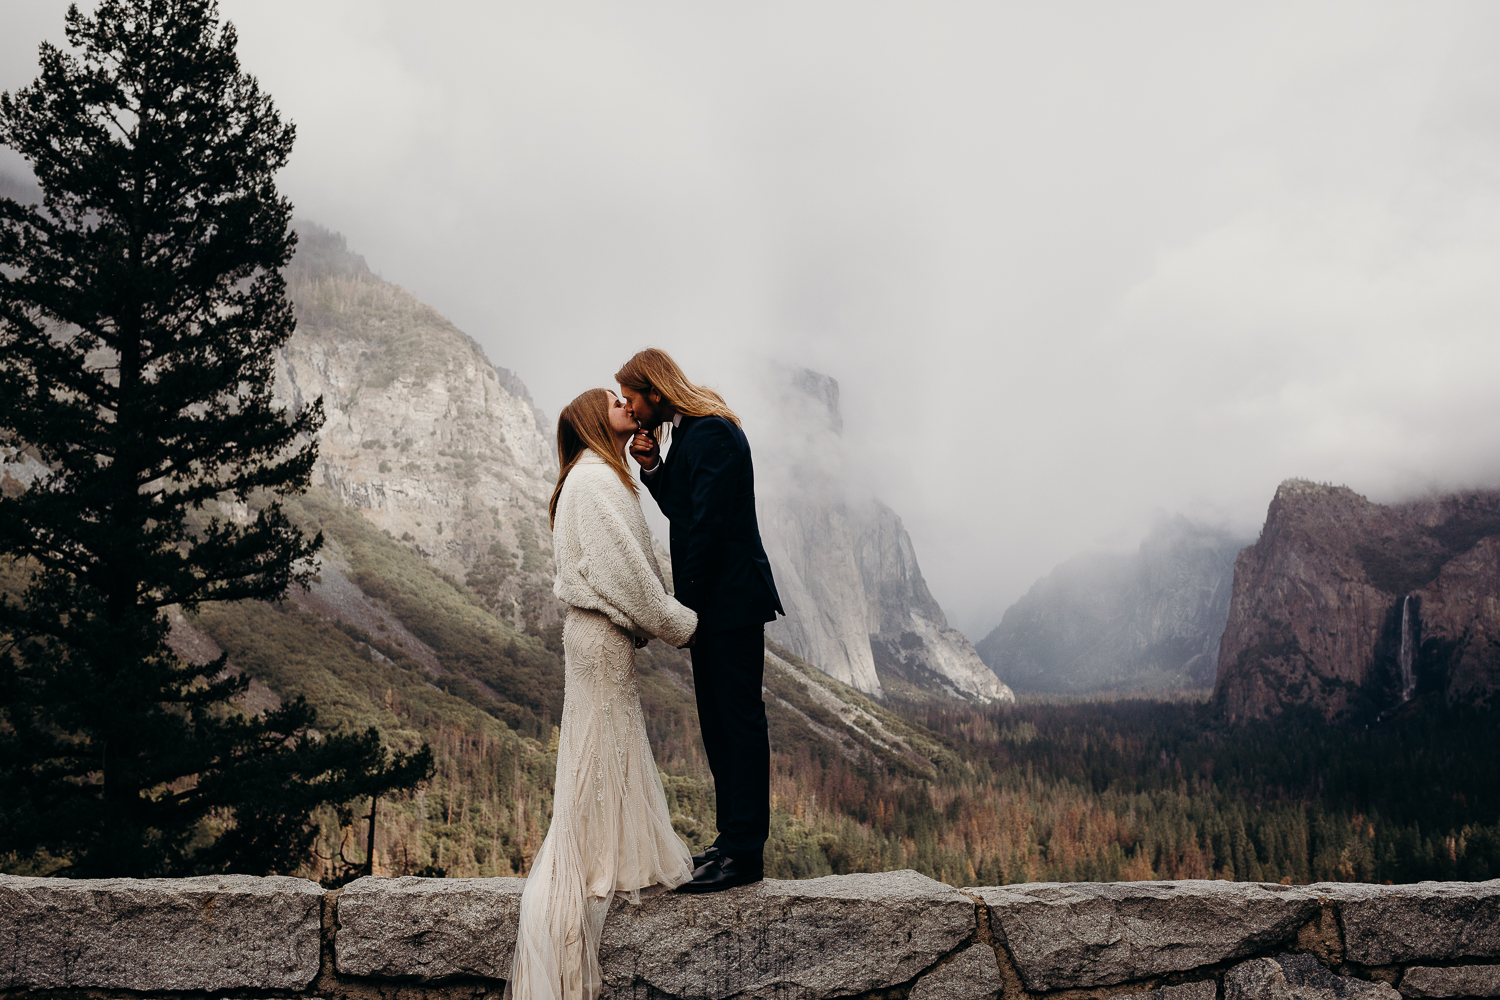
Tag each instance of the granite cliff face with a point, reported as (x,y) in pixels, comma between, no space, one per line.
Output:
(909,634)
(435,445)
(811,547)
(857,605)
(1355,608)
(1144,621)
(809,531)
(446,453)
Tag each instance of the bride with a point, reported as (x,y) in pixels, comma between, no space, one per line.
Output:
(610,827)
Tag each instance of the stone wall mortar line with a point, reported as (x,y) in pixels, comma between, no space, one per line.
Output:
(1013,986)
(1323,936)
(327,930)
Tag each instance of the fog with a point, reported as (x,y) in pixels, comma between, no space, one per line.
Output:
(1069,263)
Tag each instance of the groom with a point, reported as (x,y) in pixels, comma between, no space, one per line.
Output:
(706,487)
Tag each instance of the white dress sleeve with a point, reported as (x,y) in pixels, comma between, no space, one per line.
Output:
(619,569)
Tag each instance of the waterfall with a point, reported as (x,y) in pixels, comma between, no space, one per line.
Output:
(1406,657)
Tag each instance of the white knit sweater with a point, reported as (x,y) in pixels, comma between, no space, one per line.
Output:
(604,560)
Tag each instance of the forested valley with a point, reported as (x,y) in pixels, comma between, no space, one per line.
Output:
(1049,790)
(1137,789)
(1108,789)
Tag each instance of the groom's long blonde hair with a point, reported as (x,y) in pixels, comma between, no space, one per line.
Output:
(653,370)
(583,426)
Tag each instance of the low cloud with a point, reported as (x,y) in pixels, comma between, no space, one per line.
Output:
(1068,264)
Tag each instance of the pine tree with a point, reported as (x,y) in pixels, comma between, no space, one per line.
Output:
(141,309)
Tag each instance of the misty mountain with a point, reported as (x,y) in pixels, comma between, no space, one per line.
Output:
(1356,609)
(432,442)
(857,605)
(914,648)
(1148,620)
(446,452)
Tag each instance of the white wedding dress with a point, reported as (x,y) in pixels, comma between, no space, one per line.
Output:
(611,830)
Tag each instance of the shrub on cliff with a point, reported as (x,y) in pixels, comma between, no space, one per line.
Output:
(141,306)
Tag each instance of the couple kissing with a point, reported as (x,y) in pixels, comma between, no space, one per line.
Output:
(611,830)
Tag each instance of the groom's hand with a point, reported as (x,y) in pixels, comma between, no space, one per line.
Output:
(645,449)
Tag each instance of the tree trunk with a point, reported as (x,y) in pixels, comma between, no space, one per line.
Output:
(370,845)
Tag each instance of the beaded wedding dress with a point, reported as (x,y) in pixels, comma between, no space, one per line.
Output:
(611,830)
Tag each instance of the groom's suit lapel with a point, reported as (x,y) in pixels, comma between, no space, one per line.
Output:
(678,433)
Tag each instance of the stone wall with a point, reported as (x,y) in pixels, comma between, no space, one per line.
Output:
(891,936)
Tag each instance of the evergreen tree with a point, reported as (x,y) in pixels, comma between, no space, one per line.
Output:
(141,307)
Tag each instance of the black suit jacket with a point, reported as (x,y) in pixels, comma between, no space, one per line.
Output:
(706,487)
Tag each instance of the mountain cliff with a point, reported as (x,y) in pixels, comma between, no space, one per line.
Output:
(811,546)
(913,647)
(1150,620)
(857,605)
(1355,608)
(436,446)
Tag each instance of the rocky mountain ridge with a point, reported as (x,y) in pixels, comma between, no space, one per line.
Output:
(914,648)
(1355,608)
(426,437)
(447,453)
(1148,620)
(856,603)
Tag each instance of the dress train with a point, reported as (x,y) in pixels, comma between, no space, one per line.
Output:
(611,830)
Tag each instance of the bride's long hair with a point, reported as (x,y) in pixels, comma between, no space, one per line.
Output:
(583,426)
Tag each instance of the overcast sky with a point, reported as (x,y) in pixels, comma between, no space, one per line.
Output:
(1070,263)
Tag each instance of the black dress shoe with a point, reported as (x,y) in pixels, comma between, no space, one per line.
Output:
(699,860)
(724,872)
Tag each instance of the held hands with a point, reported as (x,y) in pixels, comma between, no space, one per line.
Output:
(641,641)
(645,449)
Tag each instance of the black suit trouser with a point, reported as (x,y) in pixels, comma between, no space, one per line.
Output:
(728,669)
